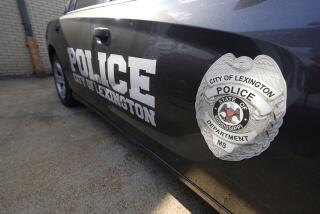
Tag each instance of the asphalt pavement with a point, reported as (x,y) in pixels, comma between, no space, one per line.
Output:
(55,159)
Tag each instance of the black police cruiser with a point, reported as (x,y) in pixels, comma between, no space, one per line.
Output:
(224,93)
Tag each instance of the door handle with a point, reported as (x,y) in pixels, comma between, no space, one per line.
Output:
(102,36)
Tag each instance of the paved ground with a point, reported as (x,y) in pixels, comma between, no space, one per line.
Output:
(59,160)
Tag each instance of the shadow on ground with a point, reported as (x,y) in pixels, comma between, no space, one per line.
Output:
(59,160)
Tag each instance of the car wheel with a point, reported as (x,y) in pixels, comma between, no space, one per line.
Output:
(63,89)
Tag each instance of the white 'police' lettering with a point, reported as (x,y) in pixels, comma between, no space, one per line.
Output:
(110,84)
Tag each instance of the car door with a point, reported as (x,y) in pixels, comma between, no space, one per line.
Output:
(107,72)
(115,69)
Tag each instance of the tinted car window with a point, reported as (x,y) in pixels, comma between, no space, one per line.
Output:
(72,5)
(87,3)
(69,6)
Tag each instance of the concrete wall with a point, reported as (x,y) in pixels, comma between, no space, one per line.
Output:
(14,55)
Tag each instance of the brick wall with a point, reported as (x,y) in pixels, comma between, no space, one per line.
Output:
(14,55)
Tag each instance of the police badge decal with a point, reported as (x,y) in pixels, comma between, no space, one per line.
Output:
(240,105)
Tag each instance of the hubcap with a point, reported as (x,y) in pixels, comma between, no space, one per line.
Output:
(59,79)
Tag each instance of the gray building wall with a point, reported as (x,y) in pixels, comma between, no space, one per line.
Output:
(14,55)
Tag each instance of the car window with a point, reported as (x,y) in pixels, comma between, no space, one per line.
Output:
(69,6)
(87,3)
(72,5)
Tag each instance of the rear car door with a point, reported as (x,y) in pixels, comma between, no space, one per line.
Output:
(78,40)
(107,71)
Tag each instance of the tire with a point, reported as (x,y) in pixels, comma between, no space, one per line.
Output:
(62,86)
